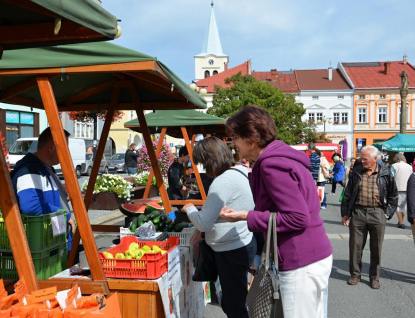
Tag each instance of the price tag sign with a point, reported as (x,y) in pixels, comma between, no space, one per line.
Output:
(44,294)
(20,289)
(72,293)
(3,292)
(58,225)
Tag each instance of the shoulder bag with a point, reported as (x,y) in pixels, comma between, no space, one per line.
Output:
(264,297)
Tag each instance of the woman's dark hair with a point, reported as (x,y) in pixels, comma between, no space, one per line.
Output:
(357,162)
(254,124)
(214,155)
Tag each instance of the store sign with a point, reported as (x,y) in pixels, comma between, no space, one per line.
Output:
(336,136)
(12,117)
(26,118)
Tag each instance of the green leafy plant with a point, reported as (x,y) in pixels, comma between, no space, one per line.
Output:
(111,183)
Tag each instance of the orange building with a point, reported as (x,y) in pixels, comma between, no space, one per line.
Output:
(377,101)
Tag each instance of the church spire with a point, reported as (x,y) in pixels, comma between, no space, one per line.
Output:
(211,42)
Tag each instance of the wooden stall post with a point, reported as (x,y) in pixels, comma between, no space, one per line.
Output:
(151,175)
(15,230)
(151,152)
(84,226)
(95,170)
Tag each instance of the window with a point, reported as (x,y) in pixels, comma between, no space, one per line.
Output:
(382,114)
(315,97)
(340,96)
(336,118)
(345,118)
(319,116)
(207,74)
(361,115)
(399,115)
(215,72)
(362,96)
(382,96)
(84,130)
(311,117)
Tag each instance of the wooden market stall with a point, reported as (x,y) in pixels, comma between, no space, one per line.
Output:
(98,76)
(181,124)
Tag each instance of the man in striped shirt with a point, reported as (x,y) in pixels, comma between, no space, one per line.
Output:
(314,161)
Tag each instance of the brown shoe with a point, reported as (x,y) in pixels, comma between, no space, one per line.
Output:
(353,280)
(375,284)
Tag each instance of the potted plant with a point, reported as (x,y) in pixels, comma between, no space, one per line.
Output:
(109,192)
(140,181)
(344,122)
(336,122)
(5,152)
(86,116)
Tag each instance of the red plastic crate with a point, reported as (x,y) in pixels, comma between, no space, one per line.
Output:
(150,266)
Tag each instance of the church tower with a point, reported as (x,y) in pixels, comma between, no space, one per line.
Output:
(211,60)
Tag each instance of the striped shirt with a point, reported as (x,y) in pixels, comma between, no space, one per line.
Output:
(368,194)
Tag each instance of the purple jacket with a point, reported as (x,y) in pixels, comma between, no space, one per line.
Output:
(281,182)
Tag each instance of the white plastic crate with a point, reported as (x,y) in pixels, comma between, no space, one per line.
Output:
(185,235)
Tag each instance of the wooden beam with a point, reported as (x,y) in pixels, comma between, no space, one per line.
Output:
(150,149)
(88,93)
(151,175)
(15,230)
(152,79)
(196,171)
(158,88)
(95,170)
(142,66)
(105,228)
(125,106)
(20,88)
(68,170)
(183,202)
(43,32)
(88,287)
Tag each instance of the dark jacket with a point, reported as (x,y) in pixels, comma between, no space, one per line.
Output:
(410,196)
(388,192)
(314,164)
(174,177)
(131,158)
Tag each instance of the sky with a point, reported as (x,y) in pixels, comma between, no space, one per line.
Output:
(281,34)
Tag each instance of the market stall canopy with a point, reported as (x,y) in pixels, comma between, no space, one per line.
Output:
(398,143)
(83,77)
(174,119)
(35,23)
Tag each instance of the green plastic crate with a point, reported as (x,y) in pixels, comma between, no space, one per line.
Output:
(38,231)
(47,263)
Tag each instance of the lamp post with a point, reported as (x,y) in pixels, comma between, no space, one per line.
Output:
(201,90)
(324,122)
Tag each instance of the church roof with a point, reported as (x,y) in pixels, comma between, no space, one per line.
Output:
(211,42)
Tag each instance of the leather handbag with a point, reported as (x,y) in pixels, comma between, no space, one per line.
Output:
(206,270)
(264,297)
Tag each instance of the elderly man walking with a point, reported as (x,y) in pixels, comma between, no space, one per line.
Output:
(370,198)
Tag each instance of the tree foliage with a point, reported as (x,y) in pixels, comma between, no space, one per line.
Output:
(240,91)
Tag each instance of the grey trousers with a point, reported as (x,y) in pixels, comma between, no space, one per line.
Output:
(363,221)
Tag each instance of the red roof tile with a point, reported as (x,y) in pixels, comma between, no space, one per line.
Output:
(318,80)
(219,79)
(372,74)
(285,81)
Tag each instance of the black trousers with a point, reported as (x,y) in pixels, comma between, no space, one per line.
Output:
(233,270)
(333,186)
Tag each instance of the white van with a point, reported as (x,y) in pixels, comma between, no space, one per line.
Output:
(24,145)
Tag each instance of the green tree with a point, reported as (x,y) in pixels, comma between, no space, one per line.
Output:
(240,91)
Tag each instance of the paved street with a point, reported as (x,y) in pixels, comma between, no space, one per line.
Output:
(396,298)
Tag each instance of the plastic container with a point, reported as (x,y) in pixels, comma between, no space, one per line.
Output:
(39,233)
(150,266)
(185,235)
(47,263)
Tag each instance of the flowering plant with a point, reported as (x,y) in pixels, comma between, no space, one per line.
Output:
(111,183)
(5,152)
(336,122)
(165,159)
(85,116)
(142,178)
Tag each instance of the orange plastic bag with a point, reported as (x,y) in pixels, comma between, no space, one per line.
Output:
(50,313)
(83,305)
(5,313)
(110,310)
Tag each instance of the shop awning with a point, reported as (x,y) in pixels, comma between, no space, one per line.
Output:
(398,143)
(174,119)
(83,77)
(34,23)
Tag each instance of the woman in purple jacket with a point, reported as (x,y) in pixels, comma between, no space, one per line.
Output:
(281,182)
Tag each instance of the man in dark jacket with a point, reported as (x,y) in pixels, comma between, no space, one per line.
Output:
(410,195)
(370,198)
(131,156)
(175,174)
(314,161)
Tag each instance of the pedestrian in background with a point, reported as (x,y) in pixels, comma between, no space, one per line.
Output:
(410,194)
(348,172)
(281,182)
(323,174)
(402,171)
(314,161)
(338,173)
(370,198)
(131,156)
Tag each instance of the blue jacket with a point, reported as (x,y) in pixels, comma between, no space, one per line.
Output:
(338,170)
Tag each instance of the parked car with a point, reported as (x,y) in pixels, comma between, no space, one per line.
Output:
(103,167)
(116,163)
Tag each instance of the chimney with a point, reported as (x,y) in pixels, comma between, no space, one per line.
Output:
(274,72)
(330,73)
(387,67)
(226,66)
(405,59)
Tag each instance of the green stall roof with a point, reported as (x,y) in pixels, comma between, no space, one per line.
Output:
(174,119)
(75,69)
(398,143)
(31,23)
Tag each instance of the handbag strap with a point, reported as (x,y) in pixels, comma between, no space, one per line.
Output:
(239,172)
(270,247)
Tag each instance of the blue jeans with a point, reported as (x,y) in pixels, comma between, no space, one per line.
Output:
(324,203)
(132,170)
